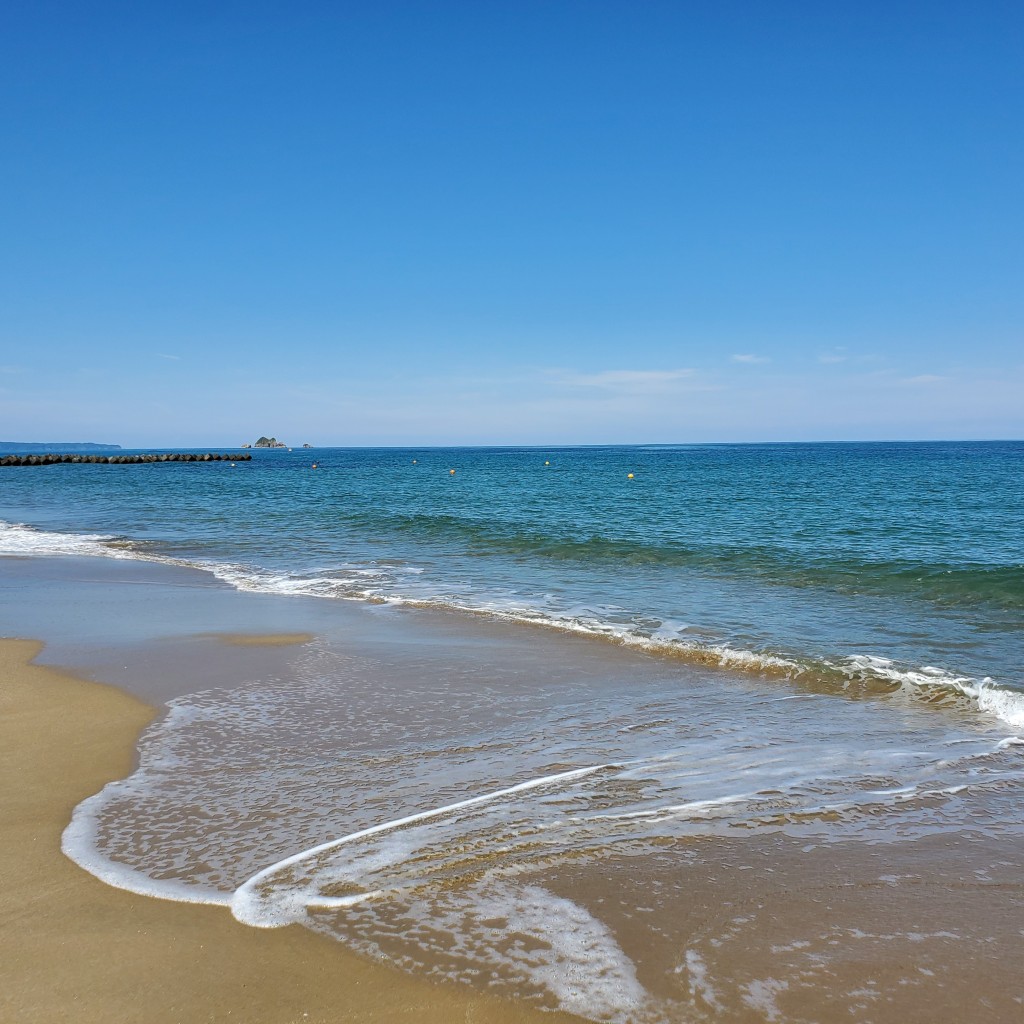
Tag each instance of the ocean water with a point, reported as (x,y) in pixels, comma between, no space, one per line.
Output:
(883,562)
(702,649)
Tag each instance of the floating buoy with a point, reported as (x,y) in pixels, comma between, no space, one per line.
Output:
(547,463)
(414,462)
(451,472)
(629,476)
(232,465)
(314,465)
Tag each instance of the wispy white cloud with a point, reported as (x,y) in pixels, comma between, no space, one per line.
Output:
(626,380)
(830,358)
(749,357)
(924,378)
(164,355)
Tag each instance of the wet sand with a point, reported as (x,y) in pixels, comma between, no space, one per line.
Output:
(262,639)
(776,929)
(75,949)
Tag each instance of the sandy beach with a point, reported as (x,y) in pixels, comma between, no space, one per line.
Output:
(75,949)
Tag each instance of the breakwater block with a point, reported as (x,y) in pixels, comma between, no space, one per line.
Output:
(119,460)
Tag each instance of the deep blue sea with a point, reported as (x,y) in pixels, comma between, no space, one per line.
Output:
(856,563)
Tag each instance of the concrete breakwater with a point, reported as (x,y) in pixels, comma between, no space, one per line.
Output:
(121,460)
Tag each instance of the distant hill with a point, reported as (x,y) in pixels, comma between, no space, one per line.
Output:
(56,446)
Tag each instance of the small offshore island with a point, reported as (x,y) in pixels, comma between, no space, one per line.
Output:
(271,442)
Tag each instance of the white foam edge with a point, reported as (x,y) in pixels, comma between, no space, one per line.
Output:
(20,539)
(699,983)
(989,697)
(695,808)
(78,845)
(249,908)
(251,578)
(726,657)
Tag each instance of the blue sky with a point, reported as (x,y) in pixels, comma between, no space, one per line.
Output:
(526,222)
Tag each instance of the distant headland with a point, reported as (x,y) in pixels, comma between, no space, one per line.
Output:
(64,446)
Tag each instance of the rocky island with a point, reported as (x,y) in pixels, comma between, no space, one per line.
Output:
(269,442)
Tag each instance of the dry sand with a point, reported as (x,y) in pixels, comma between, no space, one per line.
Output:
(74,949)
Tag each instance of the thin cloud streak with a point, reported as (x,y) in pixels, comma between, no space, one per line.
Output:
(626,381)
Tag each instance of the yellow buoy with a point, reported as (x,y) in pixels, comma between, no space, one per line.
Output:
(547,463)
(451,472)
(314,465)
(629,476)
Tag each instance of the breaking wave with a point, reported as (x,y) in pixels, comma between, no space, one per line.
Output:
(391,582)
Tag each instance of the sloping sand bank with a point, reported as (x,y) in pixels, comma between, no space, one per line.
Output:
(74,949)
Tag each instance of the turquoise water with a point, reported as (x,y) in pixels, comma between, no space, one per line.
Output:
(862,561)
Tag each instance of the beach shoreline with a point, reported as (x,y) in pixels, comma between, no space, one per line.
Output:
(76,949)
(782,921)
